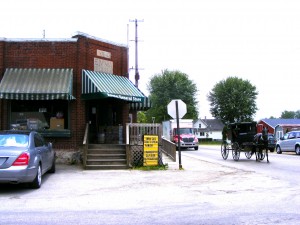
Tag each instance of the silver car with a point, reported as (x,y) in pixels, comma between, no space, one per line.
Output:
(25,157)
(290,142)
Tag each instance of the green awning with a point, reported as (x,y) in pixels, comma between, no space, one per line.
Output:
(37,84)
(97,85)
(141,106)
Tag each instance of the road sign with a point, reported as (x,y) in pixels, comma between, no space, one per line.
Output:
(172,108)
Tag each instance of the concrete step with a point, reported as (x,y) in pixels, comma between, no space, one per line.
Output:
(106,162)
(106,156)
(106,167)
(106,151)
(106,146)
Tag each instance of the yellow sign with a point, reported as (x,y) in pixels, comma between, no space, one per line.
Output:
(150,150)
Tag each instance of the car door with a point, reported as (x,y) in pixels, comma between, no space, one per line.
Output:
(41,149)
(48,152)
(290,141)
(284,142)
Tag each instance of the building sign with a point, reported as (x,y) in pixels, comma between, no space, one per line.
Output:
(104,66)
(103,54)
(125,98)
(150,150)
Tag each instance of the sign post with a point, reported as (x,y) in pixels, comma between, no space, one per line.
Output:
(177,109)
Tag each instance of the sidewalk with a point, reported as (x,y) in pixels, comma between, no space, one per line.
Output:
(203,169)
(188,163)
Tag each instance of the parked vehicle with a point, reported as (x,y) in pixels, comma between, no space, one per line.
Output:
(271,140)
(290,142)
(25,157)
(187,137)
(240,139)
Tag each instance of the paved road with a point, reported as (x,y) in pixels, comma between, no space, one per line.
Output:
(202,193)
(283,166)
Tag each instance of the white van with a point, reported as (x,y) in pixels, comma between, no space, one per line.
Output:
(290,142)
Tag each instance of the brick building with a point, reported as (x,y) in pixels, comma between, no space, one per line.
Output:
(57,86)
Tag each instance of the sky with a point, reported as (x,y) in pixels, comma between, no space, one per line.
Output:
(209,40)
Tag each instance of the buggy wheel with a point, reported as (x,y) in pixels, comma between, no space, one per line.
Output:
(235,154)
(248,154)
(235,146)
(224,150)
(235,151)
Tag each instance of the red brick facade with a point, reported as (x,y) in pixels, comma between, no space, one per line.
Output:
(77,53)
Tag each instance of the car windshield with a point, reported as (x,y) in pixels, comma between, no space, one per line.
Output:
(13,140)
(184,130)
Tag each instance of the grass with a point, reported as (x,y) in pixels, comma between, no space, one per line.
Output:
(147,168)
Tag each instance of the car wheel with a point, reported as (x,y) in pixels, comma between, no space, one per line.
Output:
(297,150)
(52,169)
(272,149)
(196,148)
(37,182)
(278,149)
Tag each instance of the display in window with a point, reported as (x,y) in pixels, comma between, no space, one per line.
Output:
(38,115)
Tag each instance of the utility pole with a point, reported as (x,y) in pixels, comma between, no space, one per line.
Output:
(137,75)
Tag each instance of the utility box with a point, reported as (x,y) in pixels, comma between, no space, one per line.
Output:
(56,123)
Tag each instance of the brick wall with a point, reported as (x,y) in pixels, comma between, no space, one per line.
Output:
(88,51)
(77,53)
(40,54)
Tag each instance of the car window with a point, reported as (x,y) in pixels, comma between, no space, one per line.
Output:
(297,134)
(38,140)
(291,135)
(13,140)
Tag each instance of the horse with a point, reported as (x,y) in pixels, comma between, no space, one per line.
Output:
(261,143)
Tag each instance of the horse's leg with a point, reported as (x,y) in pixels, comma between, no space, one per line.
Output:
(266,147)
(256,154)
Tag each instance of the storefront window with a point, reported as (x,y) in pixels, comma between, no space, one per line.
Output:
(45,115)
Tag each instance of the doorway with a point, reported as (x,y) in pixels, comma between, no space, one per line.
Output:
(105,118)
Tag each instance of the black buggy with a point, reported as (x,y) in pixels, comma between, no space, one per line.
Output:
(239,137)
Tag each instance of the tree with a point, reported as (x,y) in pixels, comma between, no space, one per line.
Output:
(288,115)
(141,117)
(233,100)
(167,86)
(297,114)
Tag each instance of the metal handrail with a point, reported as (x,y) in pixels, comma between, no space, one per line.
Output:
(169,148)
(85,144)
